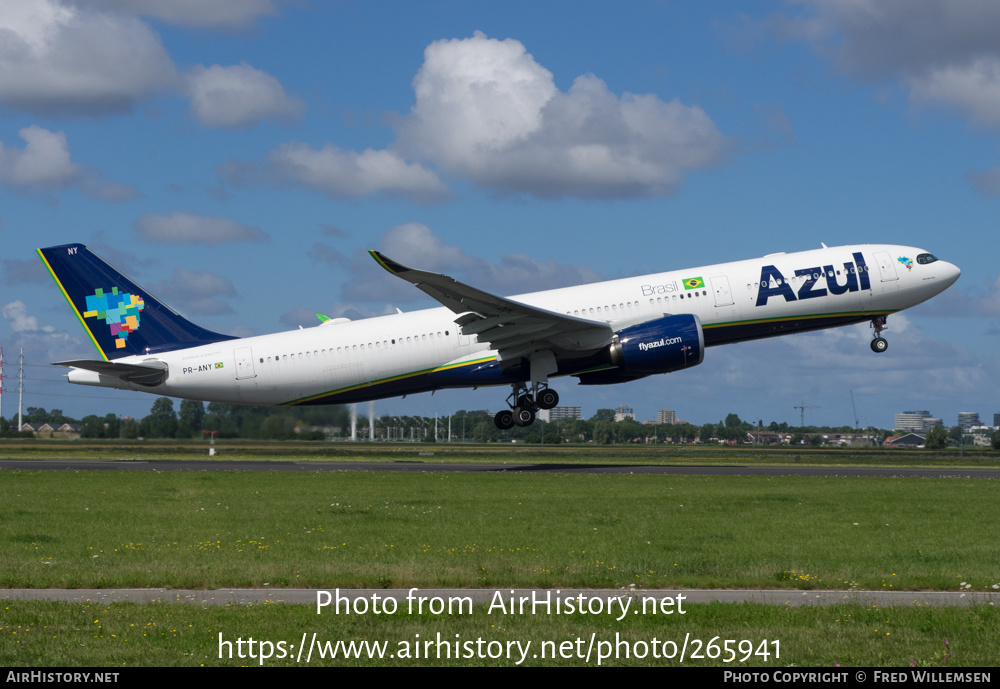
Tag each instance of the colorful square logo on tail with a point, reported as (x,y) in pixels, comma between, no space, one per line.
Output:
(693,283)
(120,311)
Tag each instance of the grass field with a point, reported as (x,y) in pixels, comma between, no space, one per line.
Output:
(326,530)
(127,634)
(280,451)
(357,529)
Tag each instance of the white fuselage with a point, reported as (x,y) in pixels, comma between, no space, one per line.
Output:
(345,361)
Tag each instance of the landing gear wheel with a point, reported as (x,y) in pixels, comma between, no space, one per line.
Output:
(524,416)
(879,343)
(547,398)
(504,420)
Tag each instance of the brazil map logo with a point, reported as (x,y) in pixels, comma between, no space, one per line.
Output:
(120,310)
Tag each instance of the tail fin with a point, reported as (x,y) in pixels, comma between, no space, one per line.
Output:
(121,318)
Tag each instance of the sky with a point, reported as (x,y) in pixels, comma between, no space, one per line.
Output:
(239,157)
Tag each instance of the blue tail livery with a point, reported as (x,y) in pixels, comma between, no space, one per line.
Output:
(120,317)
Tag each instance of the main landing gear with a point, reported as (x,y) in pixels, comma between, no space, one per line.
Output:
(879,343)
(524,402)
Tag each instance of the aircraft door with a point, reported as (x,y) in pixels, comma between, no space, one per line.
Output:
(720,286)
(244,363)
(886,267)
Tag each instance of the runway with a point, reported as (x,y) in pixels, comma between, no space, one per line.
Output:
(57,464)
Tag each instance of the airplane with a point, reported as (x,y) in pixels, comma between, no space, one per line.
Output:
(601,333)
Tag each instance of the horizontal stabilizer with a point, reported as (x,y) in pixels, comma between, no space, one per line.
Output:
(149,373)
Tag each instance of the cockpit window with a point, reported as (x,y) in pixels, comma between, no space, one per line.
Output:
(924,259)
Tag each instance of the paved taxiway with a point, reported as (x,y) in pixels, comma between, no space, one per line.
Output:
(439,467)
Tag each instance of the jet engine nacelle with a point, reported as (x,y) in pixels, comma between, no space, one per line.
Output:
(660,346)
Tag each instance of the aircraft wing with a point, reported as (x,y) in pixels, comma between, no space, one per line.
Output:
(149,373)
(512,328)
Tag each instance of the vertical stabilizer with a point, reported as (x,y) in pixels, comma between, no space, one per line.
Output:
(120,317)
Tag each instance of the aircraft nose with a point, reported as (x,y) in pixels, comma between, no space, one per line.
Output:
(950,273)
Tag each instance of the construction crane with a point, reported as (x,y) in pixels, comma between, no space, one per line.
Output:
(802,408)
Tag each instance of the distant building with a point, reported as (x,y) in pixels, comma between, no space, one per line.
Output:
(915,421)
(968,419)
(996,420)
(666,416)
(622,413)
(559,413)
(908,440)
(982,439)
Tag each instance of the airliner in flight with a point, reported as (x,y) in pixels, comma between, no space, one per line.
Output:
(601,333)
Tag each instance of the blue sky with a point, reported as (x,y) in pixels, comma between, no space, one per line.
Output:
(238,157)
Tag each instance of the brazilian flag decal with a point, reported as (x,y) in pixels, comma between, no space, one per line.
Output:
(693,283)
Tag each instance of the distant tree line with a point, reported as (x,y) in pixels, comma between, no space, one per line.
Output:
(319,422)
(229,420)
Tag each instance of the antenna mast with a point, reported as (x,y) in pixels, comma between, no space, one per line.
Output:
(20,387)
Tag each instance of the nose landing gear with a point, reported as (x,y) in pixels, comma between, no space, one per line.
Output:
(524,402)
(879,343)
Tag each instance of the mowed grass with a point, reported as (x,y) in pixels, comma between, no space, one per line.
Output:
(351,529)
(166,634)
(496,453)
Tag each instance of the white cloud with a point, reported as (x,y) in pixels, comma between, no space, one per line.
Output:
(17,316)
(871,39)
(328,254)
(972,89)
(341,174)
(416,246)
(487,111)
(45,163)
(476,96)
(214,14)
(299,316)
(92,185)
(197,291)
(238,96)
(972,301)
(26,334)
(945,52)
(67,60)
(189,228)
(988,304)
